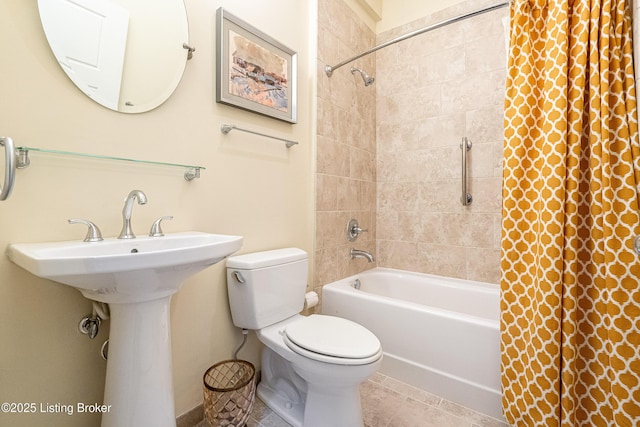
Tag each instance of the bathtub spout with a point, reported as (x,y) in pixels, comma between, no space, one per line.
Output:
(356,253)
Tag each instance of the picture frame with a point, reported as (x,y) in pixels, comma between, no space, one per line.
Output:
(254,71)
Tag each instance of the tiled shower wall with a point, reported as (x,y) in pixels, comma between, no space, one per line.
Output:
(389,154)
(346,144)
(433,90)
(399,174)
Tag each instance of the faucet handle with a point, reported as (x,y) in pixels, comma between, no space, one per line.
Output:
(354,230)
(156,230)
(93,232)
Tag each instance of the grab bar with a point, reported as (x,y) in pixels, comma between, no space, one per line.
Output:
(465,146)
(9,167)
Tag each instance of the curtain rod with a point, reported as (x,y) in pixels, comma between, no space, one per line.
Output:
(330,69)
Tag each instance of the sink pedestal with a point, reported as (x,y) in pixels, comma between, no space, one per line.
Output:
(139,384)
(136,277)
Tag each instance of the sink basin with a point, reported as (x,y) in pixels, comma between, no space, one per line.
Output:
(137,277)
(125,270)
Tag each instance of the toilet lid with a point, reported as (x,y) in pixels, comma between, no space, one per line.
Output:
(332,336)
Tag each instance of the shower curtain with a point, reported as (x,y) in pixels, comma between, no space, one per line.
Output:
(570,291)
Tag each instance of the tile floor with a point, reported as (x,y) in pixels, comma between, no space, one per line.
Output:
(387,402)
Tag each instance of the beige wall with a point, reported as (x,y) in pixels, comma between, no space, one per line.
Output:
(395,14)
(385,15)
(346,146)
(252,187)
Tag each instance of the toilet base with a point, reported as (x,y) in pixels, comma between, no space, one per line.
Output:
(335,407)
(293,413)
(312,394)
(345,409)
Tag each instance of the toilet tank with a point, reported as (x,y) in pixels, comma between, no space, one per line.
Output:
(266,287)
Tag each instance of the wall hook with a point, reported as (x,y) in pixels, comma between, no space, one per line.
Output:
(190,50)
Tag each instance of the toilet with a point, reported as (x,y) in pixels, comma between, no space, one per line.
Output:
(312,366)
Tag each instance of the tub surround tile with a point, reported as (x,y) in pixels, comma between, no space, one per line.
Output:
(488,196)
(487,53)
(458,91)
(326,192)
(346,148)
(441,65)
(325,272)
(479,261)
(389,154)
(333,158)
(440,196)
(327,120)
(362,165)
(486,123)
(443,130)
(348,194)
(396,254)
(442,260)
(400,196)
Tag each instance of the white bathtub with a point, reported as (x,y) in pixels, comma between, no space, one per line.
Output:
(438,333)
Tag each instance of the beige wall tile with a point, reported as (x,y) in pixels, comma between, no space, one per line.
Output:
(346,144)
(326,192)
(458,91)
(332,157)
(392,149)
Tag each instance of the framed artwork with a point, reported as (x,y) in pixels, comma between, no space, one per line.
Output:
(254,71)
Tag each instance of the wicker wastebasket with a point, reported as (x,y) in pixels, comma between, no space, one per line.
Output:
(229,393)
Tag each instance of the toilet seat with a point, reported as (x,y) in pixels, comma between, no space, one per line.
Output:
(332,339)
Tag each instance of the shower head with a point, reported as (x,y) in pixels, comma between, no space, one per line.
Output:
(368,80)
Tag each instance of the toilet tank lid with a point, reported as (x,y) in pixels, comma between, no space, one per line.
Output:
(266,258)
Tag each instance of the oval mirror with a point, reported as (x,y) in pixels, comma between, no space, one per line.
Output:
(126,55)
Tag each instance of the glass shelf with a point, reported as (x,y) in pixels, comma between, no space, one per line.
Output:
(191,172)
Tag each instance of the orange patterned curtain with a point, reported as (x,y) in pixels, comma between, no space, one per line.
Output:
(570,302)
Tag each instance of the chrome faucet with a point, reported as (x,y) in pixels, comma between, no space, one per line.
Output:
(127,232)
(356,253)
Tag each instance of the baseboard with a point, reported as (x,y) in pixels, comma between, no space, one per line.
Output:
(191,418)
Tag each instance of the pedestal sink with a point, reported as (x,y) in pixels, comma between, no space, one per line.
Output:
(137,278)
